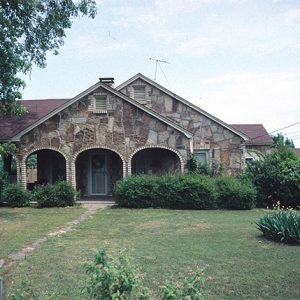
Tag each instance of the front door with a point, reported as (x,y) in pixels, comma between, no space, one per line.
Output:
(98,175)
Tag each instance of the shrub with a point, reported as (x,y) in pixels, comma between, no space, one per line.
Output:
(113,279)
(234,193)
(3,181)
(277,178)
(283,225)
(169,191)
(205,168)
(60,194)
(42,195)
(63,194)
(192,288)
(16,195)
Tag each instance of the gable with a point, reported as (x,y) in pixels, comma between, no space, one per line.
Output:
(171,105)
(122,126)
(31,123)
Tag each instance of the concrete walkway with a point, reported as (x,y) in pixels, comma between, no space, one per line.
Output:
(91,208)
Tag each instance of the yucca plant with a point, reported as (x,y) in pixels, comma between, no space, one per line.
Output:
(282,225)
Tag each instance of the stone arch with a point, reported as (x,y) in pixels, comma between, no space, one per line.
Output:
(181,160)
(95,147)
(25,157)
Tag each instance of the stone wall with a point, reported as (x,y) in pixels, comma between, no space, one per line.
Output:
(224,145)
(123,128)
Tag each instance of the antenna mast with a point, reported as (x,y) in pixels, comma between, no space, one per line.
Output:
(157,62)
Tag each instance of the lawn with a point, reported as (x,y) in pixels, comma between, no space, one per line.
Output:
(164,245)
(19,226)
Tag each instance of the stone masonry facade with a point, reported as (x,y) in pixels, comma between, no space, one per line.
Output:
(127,126)
(223,145)
(123,129)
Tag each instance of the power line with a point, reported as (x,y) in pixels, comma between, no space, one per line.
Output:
(288,126)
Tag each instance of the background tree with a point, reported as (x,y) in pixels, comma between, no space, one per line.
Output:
(28,30)
(280,140)
(276,178)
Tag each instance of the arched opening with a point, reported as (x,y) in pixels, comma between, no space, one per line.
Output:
(45,166)
(8,168)
(156,161)
(97,171)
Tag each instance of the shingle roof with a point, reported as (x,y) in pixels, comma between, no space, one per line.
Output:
(257,133)
(297,150)
(36,108)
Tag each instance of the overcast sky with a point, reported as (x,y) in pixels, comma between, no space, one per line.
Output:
(237,59)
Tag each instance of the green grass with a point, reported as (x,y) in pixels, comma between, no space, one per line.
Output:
(164,245)
(19,226)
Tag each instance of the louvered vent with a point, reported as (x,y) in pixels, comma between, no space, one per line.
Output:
(100,102)
(139,93)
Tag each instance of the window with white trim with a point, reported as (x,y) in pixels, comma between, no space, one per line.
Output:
(139,93)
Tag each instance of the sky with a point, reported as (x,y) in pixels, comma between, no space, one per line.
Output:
(237,59)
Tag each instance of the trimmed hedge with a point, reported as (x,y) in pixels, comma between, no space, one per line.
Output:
(16,195)
(169,191)
(60,194)
(185,192)
(234,193)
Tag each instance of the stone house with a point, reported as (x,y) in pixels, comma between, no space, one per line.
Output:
(107,133)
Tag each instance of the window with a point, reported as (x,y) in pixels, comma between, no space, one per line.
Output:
(249,160)
(139,93)
(201,155)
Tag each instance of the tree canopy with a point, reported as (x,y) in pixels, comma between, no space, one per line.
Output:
(280,140)
(28,30)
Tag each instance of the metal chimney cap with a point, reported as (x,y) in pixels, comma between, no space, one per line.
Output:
(107,79)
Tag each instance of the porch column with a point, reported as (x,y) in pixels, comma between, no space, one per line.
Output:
(72,176)
(21,173)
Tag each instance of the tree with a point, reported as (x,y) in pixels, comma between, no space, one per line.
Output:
(28,30)
(277,178)
(280,140)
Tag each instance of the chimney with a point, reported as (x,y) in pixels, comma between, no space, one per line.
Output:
(110,81)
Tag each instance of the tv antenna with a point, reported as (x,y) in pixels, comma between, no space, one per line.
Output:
(157,63)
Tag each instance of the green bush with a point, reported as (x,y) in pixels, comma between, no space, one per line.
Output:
(113,279)
(276,178)
(3,181)
(283,225)
(191,289)
(42,195)
(205,168)
(234,193)
(60,194)
(16,195)
(63,193)
(169,191)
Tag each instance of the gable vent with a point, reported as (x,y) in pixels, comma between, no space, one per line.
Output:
(139,93)
(100,102)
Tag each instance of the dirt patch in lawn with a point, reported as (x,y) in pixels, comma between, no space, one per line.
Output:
(152,224)
(194,227)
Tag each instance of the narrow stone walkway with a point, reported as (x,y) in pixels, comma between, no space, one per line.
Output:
(91,208)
